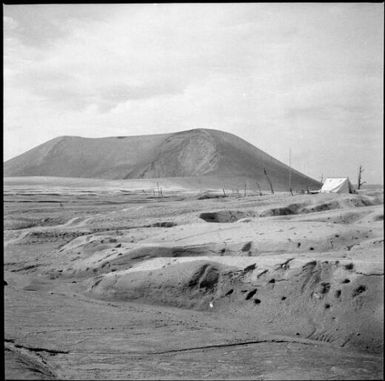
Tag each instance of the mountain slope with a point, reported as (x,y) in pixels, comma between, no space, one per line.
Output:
(193,153)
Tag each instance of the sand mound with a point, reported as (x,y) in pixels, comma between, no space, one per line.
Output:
(310,206)
(187,285)
(102,253)
(334,301)
(283,211)
(325,231)
(342,202)
(225,215)
(209,195)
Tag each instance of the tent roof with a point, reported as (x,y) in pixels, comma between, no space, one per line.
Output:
(337,185)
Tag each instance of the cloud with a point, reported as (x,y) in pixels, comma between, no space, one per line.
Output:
(308,74)
(65,90)
(40,26)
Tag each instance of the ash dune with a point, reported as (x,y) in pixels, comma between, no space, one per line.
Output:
(107,283)
(214,157)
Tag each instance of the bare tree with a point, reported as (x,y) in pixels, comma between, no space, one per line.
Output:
(160,193)
(360,182)
(290,189)
(268,179)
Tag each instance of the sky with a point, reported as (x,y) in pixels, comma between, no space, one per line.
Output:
(283,76)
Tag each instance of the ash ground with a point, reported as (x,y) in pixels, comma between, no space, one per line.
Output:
(108,283)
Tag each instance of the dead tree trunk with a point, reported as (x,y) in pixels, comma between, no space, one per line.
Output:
(360,182)
(290,189)
(160,192)
(268,179)
(244,195)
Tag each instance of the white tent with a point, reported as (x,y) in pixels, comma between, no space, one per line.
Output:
(337,185)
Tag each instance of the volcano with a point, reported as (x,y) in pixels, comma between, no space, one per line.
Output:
(204,154)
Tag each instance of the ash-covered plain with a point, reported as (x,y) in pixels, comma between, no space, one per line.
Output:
(115,280)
